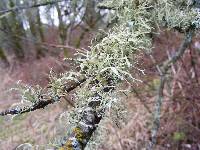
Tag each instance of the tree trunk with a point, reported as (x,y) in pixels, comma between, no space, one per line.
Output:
(62,30)
(39,23)
(3,59)
(13,30)
(17,32)
(13,40)
(36,31)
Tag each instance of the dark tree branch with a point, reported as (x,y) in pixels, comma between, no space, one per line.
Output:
(2,12)
(105,7)
(41,103)
(84,129)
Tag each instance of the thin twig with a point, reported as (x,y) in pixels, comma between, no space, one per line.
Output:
(175,73)
(165,67)
(13,9)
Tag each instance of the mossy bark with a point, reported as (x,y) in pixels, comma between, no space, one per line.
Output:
(14,32)
(40,50)
(40,26)
(3,59)
(36,30)
(82,133)
(62,30)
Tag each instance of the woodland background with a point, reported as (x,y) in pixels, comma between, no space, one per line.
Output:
(34,40)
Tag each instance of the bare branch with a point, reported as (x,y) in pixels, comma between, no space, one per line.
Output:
(165,67)
(2,12)
(180,52)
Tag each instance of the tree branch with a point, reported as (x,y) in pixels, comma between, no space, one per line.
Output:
(2,12)
(165,67)
(105,7)
(41,103)
(180,52)
(82,133)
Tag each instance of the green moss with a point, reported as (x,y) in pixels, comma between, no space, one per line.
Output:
(179,136)
(2,55)
(152,86)
(155,83)
(66,52)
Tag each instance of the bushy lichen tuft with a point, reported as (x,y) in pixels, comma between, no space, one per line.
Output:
(109,61)
(28,93)
(180,14)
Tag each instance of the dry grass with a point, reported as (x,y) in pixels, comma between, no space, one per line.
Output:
(37,127)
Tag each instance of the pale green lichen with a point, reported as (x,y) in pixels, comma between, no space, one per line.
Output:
(28,93)
(172,13)
(109,61)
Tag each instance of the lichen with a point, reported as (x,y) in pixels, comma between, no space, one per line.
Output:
(109,61)
(67,146)
(79,135)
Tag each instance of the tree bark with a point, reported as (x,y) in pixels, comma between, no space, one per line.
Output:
(83,131)
(62,29)
(36,30)
(3,59)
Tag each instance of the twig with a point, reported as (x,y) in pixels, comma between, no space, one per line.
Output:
(3,12)
(61,46)
(193,64)
(41,103)
(175,78)
(165,67)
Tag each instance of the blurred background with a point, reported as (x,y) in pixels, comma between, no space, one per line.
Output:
(35,39)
